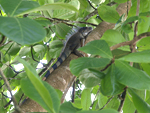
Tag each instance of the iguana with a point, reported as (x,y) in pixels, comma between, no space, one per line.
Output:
(74,40)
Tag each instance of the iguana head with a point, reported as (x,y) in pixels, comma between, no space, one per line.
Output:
(85,31)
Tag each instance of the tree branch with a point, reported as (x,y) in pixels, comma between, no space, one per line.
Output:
(122,101)
(67,21)
(91,5)
(139,37)
(9,89)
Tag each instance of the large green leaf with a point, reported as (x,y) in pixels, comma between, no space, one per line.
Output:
(146,67)
(52,6)
(66,14)
(17,7)
(67,107)
(86,99)
(109,85)
(97,47)
(89,79)
(113,37)
(14,7)
(102,100)
(139,57)
(128,106)
(22,30)
(130,76)
(114,103)
(141,105)
(32,93)
(143,25)
(108,14)
(38,85)
(62,30)
(101,111)
(81,63)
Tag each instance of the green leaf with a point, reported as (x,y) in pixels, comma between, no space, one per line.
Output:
(108,14)
(66,14)
(32,93)
(143,25)
(114,103)
(126,27)
(146,68)
(102,100)
(15,7)
(128,106)
(130,76)
(67,107)
(110,85)
(140,104)
(101,111)
(113,37)
(26,32)
(81,63)
(132,11)
(38,85)
(86,99)
(25,51)
(14,49)
(77,103)
(55,48)
(97,47)
(62,29)
(52,6)
(147,14)
(138,57)
(39,51)
(89,79)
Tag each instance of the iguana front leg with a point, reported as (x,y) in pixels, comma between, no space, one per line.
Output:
(76,52)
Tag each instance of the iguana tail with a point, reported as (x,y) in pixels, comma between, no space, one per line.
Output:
(59,61)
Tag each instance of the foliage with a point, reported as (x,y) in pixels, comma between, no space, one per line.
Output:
(116,72)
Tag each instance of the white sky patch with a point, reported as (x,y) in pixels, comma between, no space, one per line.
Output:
(69,93)
(40,65)
(18,67)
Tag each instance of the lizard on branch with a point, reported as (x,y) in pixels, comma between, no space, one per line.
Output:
(74,40)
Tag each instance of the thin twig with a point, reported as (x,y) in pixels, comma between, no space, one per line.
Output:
(0,12)
(112,61)
(47,67)
(96,12)
(13,68)
(3,39)
(127,6)
(66,90)
(91,5)
(9,89)
(122,101)
(73,91)
(55,34)
(4,95)
(33,55)
(67,21)
(107,102)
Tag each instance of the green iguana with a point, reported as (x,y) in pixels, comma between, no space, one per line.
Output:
(74,40)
